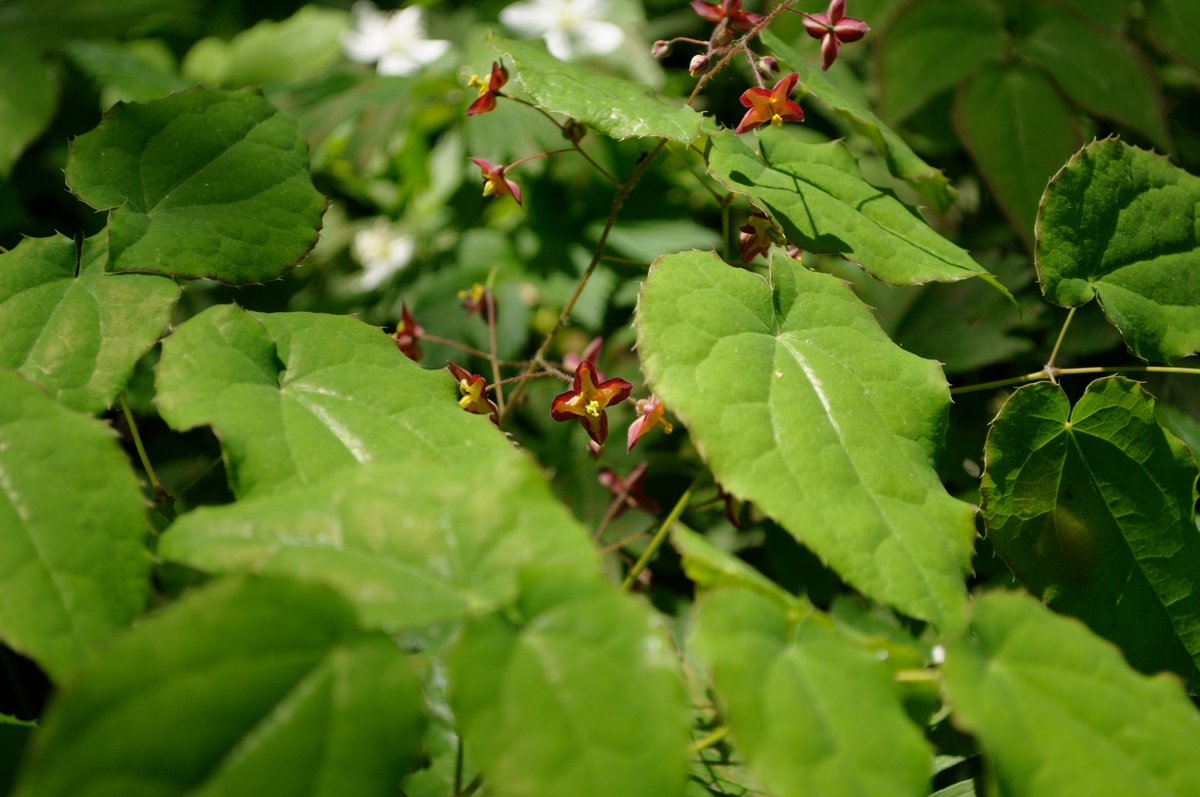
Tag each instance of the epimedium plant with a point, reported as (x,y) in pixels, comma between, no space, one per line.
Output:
(792,587)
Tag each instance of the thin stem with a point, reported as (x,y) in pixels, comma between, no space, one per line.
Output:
(917,676)
(456,345)
(625,261)
(574,144)
(192,482)
(535,375)
(661,535)
(490,298)
(710,739)
(621,543)
(734,50)
(141,450)
(458,767)
(472,787)
(1049,374)
(1062,333)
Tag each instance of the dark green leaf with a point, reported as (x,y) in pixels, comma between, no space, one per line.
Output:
(72,531)
(28,96)
(1120,224)
(812,713)
(1174,25)
(1058,712)
(801,404)
(1095,511)
(133,72)
(711,568)
(246,687)
(72,328)
(205,183)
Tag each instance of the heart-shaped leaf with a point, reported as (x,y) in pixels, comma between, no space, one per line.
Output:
(1120,224)
(801,404)
(1094,508)
(70,327)
(204,183)
(74,569)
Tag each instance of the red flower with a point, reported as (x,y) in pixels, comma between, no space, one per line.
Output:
(587,401)
(650,414)
(756,236)
(731,10)
(488,91)
(770,106)
(478,300)
(494,181)
(832,28)
(473,388)
(628,491)
(408,332)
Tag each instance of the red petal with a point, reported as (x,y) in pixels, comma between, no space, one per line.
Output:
(816,25)
(485,103)
(829,50)
(708,11)
(749,122)
(851,30)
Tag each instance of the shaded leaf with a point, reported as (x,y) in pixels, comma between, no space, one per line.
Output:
(1119,224)
(28,96)
(409,543)
(128,71)
(711,568)
(245,687)
(1174,26)
(581,695)
(824,205)
(1094,510)
(72,328)
(1057,711)
(74,569)
(295,396)
(812,713)
(205,183)
(901,160)
(1019,131)
(615,107)
(801,404)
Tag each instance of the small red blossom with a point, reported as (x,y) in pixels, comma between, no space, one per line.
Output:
(728,11)
(408,334)
(591,353)
(756,236)
(771,106)
(473,388)
(833,28)
(587,401)
(628,491)
(488,91)
(650,415)
(494,181)
(478,300)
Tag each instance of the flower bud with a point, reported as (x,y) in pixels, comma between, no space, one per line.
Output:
(768,64)
(698,66)
(661,49)
(574,131)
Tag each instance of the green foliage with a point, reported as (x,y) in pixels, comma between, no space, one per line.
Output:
(28,96)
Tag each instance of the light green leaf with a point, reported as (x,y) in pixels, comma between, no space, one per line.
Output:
(304,45)
(812,713)
(205,183)
(1099,70)
(74,569)
(1057,711)
(70,327)
(580,695)
(1120,224)
(824,205)
(1019,131)
(1174,26)
(1095,511)
(901,160)
(801,404)
(711,568)
(245,687)
(615,107)
(410,543)
(296,396)
(933,46)
(128,72)
(28,96)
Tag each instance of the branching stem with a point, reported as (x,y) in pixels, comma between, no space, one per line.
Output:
(1051,374)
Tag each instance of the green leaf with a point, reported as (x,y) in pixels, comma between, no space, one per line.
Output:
(296,396)
(1058,712)
(580,695)
(711,568)
(1109,13)
(411,543)
(1174,26)
(128,72)
(205,183)
(73,565)
(1019,131)
(801,404)
(304,45)
(77,336)
(815,192)
(615,107)
(933,46)
(244,687)
(1099,70)
(901,160)
(1120,224)
(56,21)
(1095,511)
(812,713)
(28,97)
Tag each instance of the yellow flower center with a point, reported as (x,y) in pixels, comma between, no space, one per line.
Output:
(593,408)
(776,120)
(470,393)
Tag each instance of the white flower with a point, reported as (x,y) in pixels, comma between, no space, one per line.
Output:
(571,28)
(395,39)
(382,251)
